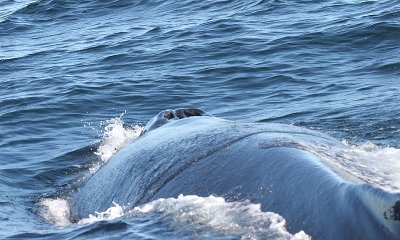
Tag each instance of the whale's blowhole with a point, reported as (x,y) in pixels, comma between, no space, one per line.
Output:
(169,115)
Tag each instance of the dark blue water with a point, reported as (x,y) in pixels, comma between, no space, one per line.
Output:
(68,69)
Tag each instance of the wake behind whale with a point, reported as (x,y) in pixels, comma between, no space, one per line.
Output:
(186,151)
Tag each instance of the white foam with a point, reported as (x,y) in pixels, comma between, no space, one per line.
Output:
(377,165)
(58,212)
(214,213)
(111,213)
(206,214)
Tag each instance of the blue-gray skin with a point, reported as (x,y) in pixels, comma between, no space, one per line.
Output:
(263,163)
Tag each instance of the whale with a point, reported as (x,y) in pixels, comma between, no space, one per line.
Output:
(188,151)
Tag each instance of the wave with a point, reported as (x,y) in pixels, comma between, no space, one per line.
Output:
(48,10)
(8,8)
(382,11)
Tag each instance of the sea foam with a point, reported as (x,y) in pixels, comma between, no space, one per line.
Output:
(205,214)
(376,165)
(216,214)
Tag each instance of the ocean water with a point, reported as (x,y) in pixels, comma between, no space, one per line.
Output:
(79,79)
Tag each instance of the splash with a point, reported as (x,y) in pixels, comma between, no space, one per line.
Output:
(116,136)
(56,211)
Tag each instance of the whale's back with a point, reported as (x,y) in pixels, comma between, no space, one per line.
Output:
(268,164)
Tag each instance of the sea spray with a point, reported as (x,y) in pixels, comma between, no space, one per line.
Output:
(115,136)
